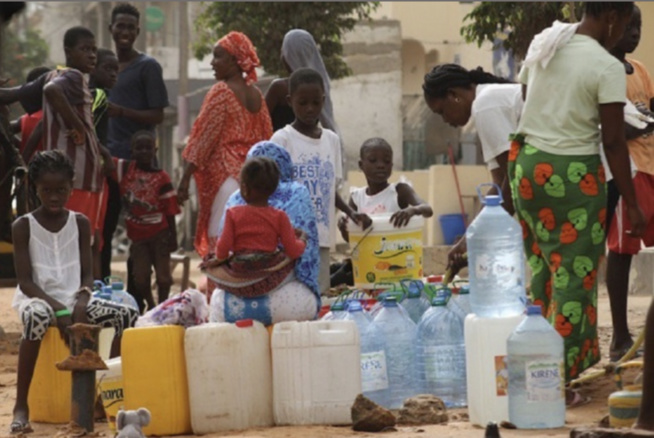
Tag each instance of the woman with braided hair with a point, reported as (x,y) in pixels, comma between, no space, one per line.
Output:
(233,117)
(493,104)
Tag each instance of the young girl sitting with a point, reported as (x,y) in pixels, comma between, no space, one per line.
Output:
(252,234)
(52,258)
(380,196)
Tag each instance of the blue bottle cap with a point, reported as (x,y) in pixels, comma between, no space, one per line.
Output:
(390,301)
(492,200)
(439,300)
(118,285)
(464,290)
(413,293)
(354,306)
(534,310)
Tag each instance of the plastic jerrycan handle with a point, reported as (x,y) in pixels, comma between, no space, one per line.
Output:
(482,198)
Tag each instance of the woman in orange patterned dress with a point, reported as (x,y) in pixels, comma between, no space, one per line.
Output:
(233,117)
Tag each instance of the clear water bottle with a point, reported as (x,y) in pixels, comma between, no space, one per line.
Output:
(374,372)
(536,374)
(441,355)
(496,261)
(415,303)
(460,302)
(399,331)
(336,312)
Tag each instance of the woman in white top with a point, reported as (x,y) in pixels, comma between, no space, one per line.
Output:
(493,105)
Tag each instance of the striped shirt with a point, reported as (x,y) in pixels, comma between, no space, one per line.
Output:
(86,158)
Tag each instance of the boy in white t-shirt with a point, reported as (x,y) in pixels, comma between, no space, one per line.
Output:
(316,155)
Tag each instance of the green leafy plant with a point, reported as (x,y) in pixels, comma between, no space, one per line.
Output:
(22,53)
(266,23)
(522,20)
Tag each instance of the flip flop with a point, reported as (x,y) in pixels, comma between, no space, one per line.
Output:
(20,428)
(616,355)
(577,400)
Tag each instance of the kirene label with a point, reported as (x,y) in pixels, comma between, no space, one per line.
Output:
(545,381)
(374,374)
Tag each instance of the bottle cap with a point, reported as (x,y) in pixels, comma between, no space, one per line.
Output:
(492,200)
(435,279)
(413,293)
(338,305)
(118,285)
(439,300)
(492,431)
(242,323)
(390,301)
(534,310)
(354,306)
(464,290)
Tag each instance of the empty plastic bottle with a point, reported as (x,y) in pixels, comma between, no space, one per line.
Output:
(399,331)
(496,261)
(416,302)
(441,355)
(460,302)
(374,372)
(536,373)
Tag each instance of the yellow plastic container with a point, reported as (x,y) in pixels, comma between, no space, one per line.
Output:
(386,254)
(110,384)
(50,390)
(154,377)
(624,405)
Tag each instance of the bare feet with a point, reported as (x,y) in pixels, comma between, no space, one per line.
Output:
(619,347)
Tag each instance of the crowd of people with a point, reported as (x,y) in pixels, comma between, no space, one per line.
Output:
(267,171)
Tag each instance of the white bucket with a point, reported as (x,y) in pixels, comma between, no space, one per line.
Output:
(315,372)
(487,375)
(386,254)
(229,376)
(110,382)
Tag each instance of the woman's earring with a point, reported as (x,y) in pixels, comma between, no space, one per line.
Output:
(456,99)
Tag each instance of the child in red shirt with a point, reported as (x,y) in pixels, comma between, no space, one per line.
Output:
(150,203)
(252,234)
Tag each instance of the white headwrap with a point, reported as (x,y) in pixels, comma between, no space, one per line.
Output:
(299,50)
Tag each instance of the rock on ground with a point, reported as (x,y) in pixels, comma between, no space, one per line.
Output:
(368,416)
(423,409)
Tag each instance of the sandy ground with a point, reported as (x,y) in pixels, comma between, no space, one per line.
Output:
(588,414)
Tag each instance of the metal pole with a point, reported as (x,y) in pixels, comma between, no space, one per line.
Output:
(182,100)
(83,362)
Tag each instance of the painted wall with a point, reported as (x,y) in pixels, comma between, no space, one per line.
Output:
(368,103)
(645,50)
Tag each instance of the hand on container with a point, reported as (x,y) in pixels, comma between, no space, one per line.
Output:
(300,234)
(457,257)
(361,219)
(401,218)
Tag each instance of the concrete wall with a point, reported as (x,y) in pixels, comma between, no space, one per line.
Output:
(368,103)
(645,50)
(437,187)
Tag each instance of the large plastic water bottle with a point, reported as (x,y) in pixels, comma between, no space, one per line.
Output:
(496,261)
(394,324)
(374,372)
(536,374)
(460,302)
(415,303)
(441,355)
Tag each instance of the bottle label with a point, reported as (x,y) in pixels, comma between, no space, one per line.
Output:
(544,380)
(374,375)
(501,376)
(504,268)
(444,362)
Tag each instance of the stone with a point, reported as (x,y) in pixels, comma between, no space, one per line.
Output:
(423,409)
(368,416)
(598,432)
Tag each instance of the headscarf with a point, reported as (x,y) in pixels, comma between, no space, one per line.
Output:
(299,50)
(293,199)
(240,46)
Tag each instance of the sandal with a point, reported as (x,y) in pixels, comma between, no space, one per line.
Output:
(616,355)
(577,399)
(20,428)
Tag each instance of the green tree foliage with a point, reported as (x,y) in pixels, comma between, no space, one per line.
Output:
(266,23)
(523,20)
(22,53)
